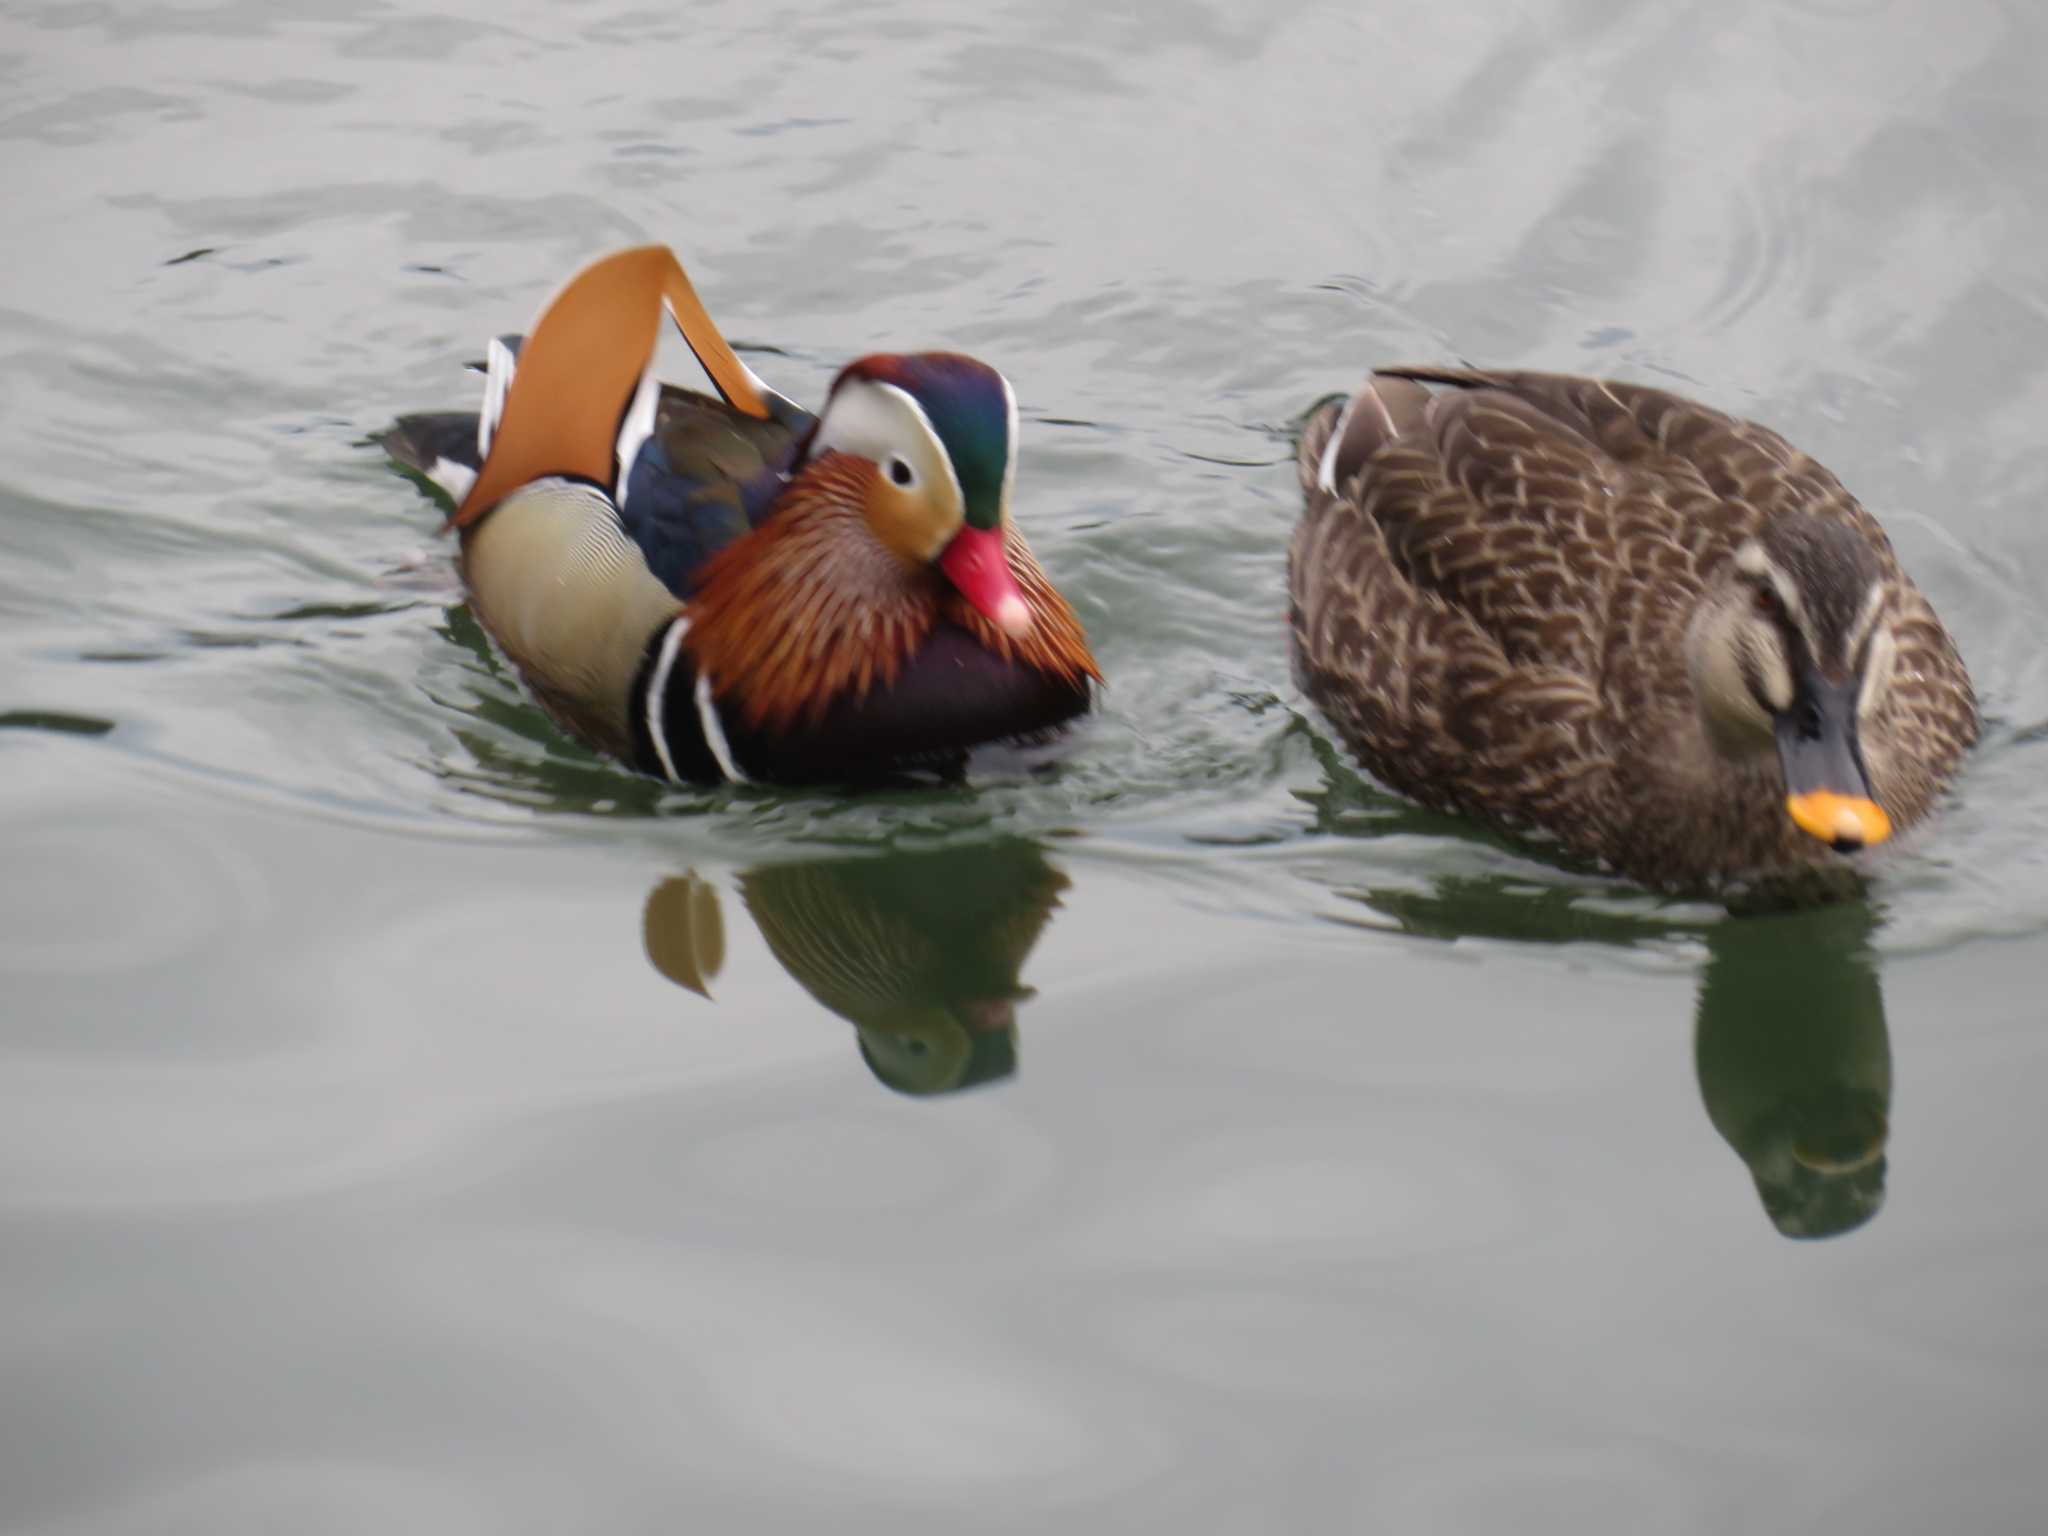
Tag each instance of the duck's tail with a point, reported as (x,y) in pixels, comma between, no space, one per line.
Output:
(446,448)
(437,446)
(1337,441)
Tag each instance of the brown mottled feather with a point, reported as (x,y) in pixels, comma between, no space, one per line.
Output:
(1492,607)
(842,614)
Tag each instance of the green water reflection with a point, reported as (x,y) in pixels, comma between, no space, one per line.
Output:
(920,952)
(1795,1062)
(1790,1043)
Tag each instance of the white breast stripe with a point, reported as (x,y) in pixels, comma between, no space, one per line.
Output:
(714,731)
(657,689)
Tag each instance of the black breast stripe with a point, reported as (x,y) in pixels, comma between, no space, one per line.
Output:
(668,740)
(953,696)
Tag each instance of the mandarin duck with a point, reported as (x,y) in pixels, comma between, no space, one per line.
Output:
(1604,615)
(734,589)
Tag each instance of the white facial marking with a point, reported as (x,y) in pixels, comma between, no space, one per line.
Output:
(1751,560)
(1866,616)
(873,420)
(1877,672)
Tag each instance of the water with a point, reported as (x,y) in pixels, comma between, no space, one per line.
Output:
(409,1122)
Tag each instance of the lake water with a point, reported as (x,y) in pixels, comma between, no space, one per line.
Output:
(409,1122)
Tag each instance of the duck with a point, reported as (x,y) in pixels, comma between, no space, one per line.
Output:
(731,588)
(1607,618)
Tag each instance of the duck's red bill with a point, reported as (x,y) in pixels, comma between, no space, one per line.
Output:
(976,564)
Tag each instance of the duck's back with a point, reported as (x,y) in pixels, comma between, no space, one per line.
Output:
(706,474)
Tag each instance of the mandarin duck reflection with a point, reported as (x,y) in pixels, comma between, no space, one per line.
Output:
(920,952)
(734,589)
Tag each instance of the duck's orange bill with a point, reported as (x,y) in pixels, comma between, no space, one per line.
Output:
(1846,821)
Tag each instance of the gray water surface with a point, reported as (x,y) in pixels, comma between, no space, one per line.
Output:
(410,1122)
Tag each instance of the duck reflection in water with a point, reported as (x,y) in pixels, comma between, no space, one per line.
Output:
(920,952)
(1795,1062)
(1790,1043)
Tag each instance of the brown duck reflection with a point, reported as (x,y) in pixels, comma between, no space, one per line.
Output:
(1790,1041)
(1795,1062)
(920,952)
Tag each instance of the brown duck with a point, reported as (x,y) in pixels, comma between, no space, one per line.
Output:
(1608,616)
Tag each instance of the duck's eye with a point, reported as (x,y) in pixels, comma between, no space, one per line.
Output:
(900,470)
(1766,601)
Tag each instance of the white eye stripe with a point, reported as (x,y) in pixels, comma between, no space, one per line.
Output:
(932,433)
(870,419)
(1754,563)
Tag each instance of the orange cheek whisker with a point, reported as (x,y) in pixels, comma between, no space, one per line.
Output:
(810,608)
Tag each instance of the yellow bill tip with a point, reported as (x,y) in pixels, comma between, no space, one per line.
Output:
(1845,821)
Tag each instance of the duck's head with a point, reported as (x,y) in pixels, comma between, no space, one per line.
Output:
(1793,650)
(940,431)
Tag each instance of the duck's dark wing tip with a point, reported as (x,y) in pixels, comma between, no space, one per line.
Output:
(1455,378)
(437,446)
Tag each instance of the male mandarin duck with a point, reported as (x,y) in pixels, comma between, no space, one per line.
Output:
(735,589)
